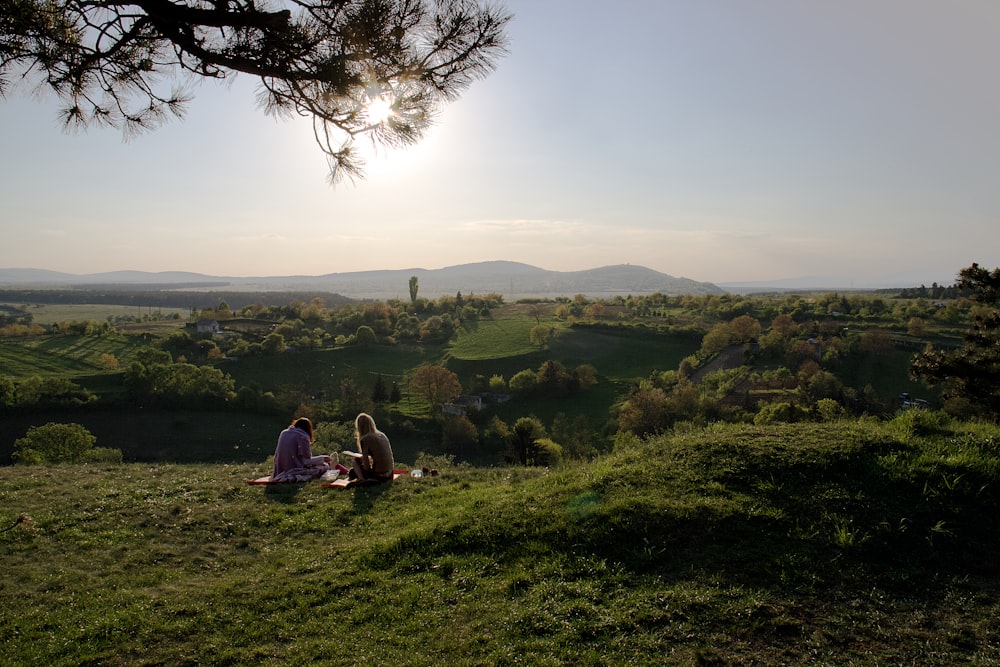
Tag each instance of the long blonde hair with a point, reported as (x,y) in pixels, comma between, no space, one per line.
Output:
(363,425)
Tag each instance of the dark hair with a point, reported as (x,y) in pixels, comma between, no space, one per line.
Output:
(304,424)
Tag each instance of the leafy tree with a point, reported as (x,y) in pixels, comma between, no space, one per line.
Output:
(161,380)
(54,443)
(576,436)
(539,335)
(783,412)
(273,343)
(333,436)
(784,325)
(7,394)
(365,336)
(356,67)
(717,339)
(437,329)
(970,374)
(645,412)
(524,382)
(553,378)
(435,384)
(585,376)
(36,391)
(522,440)
(459,432)
(744,329)
(546,452)
(497,384)
(829,410)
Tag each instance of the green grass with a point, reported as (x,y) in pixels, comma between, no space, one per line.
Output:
(850,543)
(83,312)
(64,356)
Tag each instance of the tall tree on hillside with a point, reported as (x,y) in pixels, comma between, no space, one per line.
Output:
(414,287)
(970,374)
(356,67)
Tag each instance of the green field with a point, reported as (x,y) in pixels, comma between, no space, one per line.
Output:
(64,356)
(83,312)
(854,543)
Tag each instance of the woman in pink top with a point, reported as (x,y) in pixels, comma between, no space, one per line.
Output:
(376,462)
(293,457)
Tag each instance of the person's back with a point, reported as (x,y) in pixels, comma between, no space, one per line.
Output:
(293,452)
(376,462)
(376,445)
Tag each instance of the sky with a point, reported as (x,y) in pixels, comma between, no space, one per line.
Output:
(717,140)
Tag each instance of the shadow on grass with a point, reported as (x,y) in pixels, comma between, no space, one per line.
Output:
(283,493)
(365,496)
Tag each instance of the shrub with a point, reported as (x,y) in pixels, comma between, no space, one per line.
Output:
(60,443)
(103,455)
(771,413)
(458,432)
(829,410)
(547,453)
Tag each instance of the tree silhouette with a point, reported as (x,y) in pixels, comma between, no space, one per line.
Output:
(970,373)
(414,287)
(356,67)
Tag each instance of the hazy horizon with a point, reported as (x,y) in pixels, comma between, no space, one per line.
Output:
(805,281)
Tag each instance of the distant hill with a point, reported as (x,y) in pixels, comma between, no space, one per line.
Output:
(512,279)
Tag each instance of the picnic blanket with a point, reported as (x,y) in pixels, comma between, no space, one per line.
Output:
(294,476)
(344,482)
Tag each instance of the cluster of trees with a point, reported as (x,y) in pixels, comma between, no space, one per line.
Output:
(803,361)
(800,308)
(970,375)
(313,325)
(39,391)
(155,379)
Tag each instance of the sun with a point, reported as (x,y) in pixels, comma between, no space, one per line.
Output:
(378,110)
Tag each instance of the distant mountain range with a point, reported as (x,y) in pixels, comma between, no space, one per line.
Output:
(512,279)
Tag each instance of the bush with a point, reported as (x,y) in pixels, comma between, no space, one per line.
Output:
(103,455)
(829,410)
(771,413)
(57,443)
(547,453)
(29,457)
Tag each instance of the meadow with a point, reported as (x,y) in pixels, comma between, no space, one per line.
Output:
(52,313)
(848,543)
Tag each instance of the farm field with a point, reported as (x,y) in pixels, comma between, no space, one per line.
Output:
(70,312)
(67,356)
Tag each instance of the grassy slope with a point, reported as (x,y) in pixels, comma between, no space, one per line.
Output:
(853,543)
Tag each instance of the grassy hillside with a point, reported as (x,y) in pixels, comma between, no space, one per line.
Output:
(848,543)
(64,356)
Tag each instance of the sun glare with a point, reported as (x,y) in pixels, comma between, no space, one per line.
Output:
(379,110)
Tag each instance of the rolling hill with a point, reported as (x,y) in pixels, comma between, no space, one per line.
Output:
(512,279)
